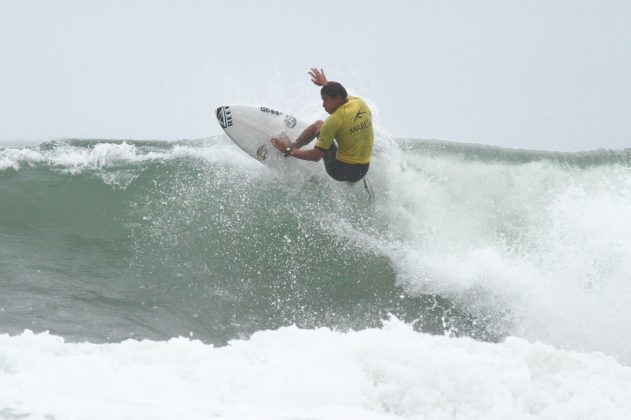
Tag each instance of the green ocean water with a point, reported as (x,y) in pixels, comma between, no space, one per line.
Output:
(105,240)
(169,247)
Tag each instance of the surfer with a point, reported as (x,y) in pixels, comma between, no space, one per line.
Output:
(350,124)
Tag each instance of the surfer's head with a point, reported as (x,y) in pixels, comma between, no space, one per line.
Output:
(333,96)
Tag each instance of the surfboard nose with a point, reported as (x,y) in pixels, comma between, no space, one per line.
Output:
(224,116)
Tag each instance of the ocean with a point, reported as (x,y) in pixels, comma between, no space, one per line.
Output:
(184,279)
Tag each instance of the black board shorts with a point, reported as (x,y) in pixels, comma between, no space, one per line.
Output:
(341,171)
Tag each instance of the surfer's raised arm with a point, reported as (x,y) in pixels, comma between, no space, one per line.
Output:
(318,77)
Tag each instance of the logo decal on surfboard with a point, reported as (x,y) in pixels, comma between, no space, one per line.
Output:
(290,121)
(261,153)
(224,116)
(270,111)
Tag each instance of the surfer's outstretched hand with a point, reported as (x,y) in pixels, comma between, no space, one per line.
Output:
(318,77)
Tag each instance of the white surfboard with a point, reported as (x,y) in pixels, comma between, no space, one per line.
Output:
(252,128)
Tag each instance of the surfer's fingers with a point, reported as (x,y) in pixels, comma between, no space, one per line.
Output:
(323,77)
(317,73)
(317,76)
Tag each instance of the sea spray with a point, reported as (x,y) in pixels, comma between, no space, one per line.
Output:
(158,239)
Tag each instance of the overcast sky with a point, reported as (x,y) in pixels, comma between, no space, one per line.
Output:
(531,73)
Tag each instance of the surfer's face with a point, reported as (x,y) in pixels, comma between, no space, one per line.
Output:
(331,104)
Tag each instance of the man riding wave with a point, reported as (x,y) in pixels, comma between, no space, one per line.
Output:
(349,124)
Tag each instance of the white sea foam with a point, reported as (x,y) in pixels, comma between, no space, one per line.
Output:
(546,246)
(77,159)
(12,158)
(387,373)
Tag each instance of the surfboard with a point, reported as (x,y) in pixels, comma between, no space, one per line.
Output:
(252,128)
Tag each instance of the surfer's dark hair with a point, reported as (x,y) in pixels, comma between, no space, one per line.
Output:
(333,89)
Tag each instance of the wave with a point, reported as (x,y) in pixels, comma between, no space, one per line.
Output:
(487,153)
(77,154)
(390,372)
(157,239)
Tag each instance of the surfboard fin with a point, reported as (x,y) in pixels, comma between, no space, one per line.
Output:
(369,190)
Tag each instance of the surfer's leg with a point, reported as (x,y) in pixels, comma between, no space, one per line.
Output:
(330,163)
(356,172)
(341,171)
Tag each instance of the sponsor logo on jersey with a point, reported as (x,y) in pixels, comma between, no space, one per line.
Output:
(359,115)
(361,126)
(360,122)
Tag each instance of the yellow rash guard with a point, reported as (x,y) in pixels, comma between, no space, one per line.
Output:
(351,126)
